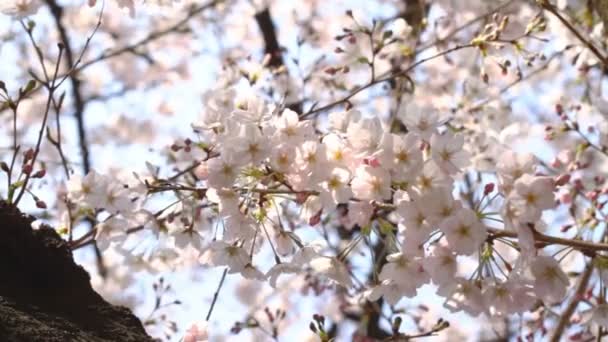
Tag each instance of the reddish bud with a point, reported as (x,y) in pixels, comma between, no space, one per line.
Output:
(559,109)
(488,188)
(592,195)
(314,220)
(28,155)
(485,78)
(562,180)
(4,167)
(39,174)
(373,162)
(331,71)
(40,204)
(27,169)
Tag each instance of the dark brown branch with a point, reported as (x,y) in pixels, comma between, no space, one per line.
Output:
(587,247)
(271,42)
(272,47)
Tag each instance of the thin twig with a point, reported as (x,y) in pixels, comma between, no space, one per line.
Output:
(549,7)
(216,294)
(151,37)
(386,78)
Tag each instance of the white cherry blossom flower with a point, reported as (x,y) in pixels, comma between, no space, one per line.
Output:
(447,152)
(288,128)
(407,158)
(423,122)
(371,183)
(250,145)
(431,178)
(223,171)
(511,166)
(219,253)
(406,271)
(89,190)
(20,8)
(531,196)
(463,295)
(364,135)
(335,188)
(464,232)
(415,221)
(333,269)
(441,266)
(550,281)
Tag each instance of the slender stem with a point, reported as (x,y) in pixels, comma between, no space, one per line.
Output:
(216,294)
(151,37)
(52,88)
(386,78)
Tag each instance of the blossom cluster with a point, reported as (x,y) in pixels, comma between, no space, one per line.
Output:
(258,166)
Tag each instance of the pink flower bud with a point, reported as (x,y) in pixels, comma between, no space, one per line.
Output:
(562,179)
(28,155)
(40,204)
(27,169)
(488,188)
(592,195)
(314,220)
(373,162)
(39,174)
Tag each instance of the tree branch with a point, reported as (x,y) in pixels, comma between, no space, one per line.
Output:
(271,43)
(574,301)
(581,245)
(549,7)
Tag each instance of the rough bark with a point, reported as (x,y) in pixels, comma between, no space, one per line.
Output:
(45,296)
